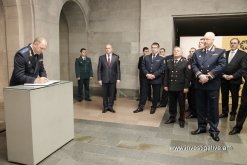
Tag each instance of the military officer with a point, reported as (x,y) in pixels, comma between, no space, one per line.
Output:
(177,82)
(28,64)
(207,65)
(84,72)
(152,67)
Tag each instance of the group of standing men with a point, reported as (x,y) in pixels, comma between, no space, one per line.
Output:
(206,70)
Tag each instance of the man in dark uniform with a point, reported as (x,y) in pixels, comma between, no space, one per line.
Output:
(28,64)
(232,78)
(108,75)
(207,65)
(176,82)
(242,112)
(84,72)
(164,94)
(191,94)
(152,67)
(141,75)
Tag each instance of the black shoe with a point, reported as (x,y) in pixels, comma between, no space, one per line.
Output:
(223,115)
(169,121)
(181,124)
(234,131)
(137,99)
(88,99)
(198,131)
(139,109)
(150,99)
(191,116)
(215,136)
(104,110)
(152,111)
(112,110)
(79,100)
(232,117)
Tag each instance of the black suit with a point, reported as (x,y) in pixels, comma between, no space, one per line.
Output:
(27,67)
(242,113)
(142,77)
(108,74)
(153,66)
(164,95)
(177,78)
(233,68)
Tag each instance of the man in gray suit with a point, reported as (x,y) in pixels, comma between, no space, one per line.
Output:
(108,75)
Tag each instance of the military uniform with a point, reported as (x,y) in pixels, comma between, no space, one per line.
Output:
(210,63)
(152,65)
(27,67)
(177,78)
(83,70)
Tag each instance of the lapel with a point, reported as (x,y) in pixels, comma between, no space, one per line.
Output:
(234,58)
(207,55)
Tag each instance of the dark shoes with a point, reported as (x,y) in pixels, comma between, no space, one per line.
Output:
(139,109)
(181,124)
(215,136)
(198,131)
(169,121)
(223,115)
(234,131)
(112,110)
(152,111)
(88,99)
(79,100)
(150,99)
(104,110)
(108,109)
(232,118)
(191,116)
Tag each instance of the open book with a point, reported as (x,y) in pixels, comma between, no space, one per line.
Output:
(44,84)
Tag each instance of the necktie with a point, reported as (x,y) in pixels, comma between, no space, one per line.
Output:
(108,59)
(176,61)
(153,56)
(231,55)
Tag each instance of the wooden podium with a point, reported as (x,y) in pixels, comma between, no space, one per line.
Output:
(39,120)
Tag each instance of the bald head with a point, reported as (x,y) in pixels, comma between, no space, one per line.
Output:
(108,48)
(209,39)
(39,45)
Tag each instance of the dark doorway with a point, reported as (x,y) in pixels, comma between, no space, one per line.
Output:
(221,25)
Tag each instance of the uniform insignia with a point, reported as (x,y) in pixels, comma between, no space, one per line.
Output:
(215,54)
(189,67)
(30,53)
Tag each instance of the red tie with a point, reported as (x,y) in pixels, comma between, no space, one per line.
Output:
(108,59)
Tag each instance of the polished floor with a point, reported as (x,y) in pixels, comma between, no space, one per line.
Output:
(125,138)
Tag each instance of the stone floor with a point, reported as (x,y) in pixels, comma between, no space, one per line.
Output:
(109,143)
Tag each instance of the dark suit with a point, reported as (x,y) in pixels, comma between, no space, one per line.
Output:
(83,70)
(142,77)
(207,95)
(233,68)
(164,95)
(177,78)
(153,66)
(108,74)
(27,67)
(242,112)
(191,94)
